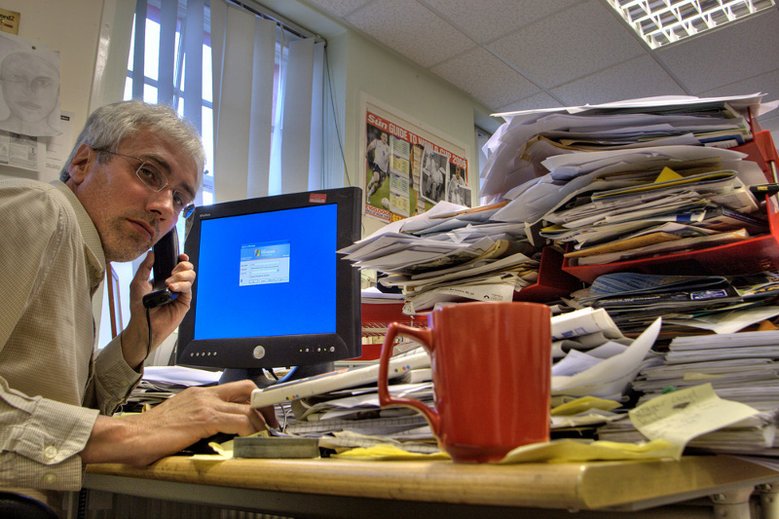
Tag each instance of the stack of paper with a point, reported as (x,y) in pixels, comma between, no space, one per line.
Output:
(162,382)
(658,214)
(688,304)
(352,417)
(450,254)
(740,367)
(698,418)
(517,149)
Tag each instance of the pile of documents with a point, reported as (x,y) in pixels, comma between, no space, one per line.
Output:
(688,304)
(162,382)
(659,214)
(741,367)
(631,179)
(450,253)
(517,150)
(351,416)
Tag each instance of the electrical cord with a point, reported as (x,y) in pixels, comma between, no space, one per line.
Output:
(148,345)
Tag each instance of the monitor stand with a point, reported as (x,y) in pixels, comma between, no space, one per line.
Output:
(259,376)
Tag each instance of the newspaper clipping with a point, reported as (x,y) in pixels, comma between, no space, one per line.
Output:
(407,171)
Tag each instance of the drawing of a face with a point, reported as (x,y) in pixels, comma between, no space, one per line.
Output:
(30,86)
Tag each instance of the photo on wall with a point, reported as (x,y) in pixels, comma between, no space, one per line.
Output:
(408,169)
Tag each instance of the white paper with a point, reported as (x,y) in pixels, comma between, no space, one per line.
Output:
(611,376)
(682,415)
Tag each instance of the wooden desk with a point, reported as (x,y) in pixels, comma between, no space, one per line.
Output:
(347,488)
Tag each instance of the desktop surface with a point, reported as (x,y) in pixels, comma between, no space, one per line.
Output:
(608,485)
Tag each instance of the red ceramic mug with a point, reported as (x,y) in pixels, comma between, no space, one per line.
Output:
(491,365)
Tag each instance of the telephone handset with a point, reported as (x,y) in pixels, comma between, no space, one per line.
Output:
(166,256)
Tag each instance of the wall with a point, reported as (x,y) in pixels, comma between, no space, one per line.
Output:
(70,27)
(360,68)
(429,102)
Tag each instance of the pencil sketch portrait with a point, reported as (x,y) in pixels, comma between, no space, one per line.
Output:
(30,86)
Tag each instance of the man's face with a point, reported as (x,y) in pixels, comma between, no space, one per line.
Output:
(129,216)
(30,86)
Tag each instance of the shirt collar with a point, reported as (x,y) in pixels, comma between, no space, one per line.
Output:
(93,248)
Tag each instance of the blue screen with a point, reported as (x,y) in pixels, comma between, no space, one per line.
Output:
(267,274)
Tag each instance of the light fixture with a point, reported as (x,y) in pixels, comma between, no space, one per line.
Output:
(662,22)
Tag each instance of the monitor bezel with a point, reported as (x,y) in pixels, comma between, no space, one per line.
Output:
(290,350)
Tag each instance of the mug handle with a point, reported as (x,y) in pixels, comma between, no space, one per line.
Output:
(424,336)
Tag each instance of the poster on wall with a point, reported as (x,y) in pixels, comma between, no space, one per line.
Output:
(30,88)
(407,168)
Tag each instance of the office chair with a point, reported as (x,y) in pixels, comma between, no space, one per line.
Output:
(16,506)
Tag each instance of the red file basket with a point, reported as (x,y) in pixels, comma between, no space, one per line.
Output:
(375,319)
(757,254)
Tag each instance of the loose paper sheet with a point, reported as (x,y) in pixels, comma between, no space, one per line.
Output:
(680,416)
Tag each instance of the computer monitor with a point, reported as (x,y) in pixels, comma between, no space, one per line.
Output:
(270,289)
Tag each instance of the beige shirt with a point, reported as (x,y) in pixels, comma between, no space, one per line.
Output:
(52,387)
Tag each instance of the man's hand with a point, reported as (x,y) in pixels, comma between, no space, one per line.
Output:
(165,318)
(180,421)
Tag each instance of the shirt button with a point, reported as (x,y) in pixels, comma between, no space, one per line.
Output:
(50,452)
(49,479)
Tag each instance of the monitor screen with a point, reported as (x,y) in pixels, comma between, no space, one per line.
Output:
(270,289)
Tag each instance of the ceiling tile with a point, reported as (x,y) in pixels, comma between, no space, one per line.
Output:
(487,20)
(568,45)
(745,49)
(411,29)
(534,102)
(485,77)
(767,83)
(639,77)
(339,8)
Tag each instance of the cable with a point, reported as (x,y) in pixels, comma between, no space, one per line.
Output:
(148,346)
(335,118)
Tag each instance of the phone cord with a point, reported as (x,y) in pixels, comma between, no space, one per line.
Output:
(148,346)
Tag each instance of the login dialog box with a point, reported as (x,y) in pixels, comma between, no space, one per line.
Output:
(264,263)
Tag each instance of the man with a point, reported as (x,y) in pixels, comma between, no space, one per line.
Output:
(134,169)
(378,153)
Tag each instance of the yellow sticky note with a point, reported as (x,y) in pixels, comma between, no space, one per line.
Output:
(388,452)
(561,451)
(584,403)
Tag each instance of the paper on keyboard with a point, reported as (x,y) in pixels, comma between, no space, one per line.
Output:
(180,375)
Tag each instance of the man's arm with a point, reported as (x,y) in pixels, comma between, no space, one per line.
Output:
(173,425)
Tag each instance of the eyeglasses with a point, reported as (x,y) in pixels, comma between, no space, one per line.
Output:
(152,176)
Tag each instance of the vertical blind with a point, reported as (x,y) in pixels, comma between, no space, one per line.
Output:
(267,148)
(253,89)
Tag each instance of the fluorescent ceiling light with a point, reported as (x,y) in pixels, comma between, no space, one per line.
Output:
(661,22)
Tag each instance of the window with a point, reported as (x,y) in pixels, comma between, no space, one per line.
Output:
(170,61)
(156,69)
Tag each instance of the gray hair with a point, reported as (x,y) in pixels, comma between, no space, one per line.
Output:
(109,125)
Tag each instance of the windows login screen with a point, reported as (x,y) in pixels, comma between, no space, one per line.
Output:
(267,274)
